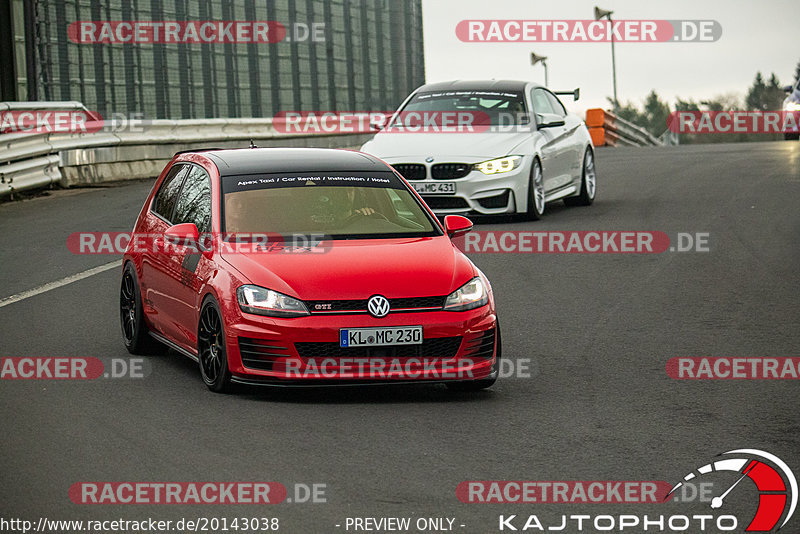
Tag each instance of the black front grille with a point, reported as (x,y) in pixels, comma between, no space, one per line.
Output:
(411,171)
(417,302)
(480,345)
(497,201)
(450,171)
(443,348)
(360,305)
(445,203)
(261,353)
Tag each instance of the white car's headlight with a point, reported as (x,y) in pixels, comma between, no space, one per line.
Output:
(496,166)
(261,301)
(471,295)
(792,106)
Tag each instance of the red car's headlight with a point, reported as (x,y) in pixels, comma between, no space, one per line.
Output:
(471,295)
(262,301)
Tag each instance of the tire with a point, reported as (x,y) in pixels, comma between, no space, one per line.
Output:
(212,354)
(477,385)
(135,333)
(791,136)
(588,182)
(536,201)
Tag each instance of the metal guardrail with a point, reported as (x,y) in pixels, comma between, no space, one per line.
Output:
(42,105)
(27,160)
(607,129)
(114,150)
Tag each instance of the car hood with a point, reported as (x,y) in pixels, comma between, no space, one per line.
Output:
(358,269)
(475,146)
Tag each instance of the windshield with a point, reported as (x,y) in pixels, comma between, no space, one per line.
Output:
(493,108)
(338,207)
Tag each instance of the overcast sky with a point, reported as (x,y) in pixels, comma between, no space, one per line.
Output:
(756,36)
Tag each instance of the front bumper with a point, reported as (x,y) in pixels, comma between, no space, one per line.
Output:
(457,346)
(476,193)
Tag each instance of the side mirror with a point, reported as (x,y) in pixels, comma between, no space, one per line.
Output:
(788,89)
(549,120)
(376,126)
(183,235)
(456,225)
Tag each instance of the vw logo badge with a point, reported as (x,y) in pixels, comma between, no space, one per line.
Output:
(378,306)
(429,159)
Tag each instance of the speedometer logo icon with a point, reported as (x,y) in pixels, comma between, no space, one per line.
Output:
(777,486)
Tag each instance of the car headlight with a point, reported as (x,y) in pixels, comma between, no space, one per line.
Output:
(792,106)
(496,166)
(261,301)
(471,295)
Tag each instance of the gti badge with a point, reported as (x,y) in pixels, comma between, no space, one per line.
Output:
(378,306)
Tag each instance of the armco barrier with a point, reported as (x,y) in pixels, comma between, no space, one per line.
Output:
(607,129)
(125,151)
(27,160)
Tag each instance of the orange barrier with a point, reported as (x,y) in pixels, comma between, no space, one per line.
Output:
(595,118)
(607,129)
(598,135)
(600,123)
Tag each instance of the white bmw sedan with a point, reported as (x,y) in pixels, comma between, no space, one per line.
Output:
(517,150)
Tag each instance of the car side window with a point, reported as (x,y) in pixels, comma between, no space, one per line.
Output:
(194,204)
(167,196)
(541,104)
(555,103)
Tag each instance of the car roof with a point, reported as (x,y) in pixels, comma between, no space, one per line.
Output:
(241,161)
(476,85)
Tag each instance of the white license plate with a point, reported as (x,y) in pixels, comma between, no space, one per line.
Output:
(436,188)
(376,337)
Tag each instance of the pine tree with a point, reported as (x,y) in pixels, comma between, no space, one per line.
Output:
(755,95)
(656,114)
(774,95)
(627,111)
(686,105)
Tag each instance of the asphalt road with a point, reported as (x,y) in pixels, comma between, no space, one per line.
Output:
(599,330)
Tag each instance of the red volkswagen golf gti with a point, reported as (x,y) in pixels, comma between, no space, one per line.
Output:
(304,266)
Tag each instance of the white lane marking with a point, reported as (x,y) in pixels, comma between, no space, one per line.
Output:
(58,283)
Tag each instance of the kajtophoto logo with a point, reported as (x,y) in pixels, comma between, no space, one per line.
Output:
(776,484)
(775,491)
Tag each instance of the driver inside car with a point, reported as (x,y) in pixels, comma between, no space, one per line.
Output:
(338,206)
(346,204)
(351,197)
